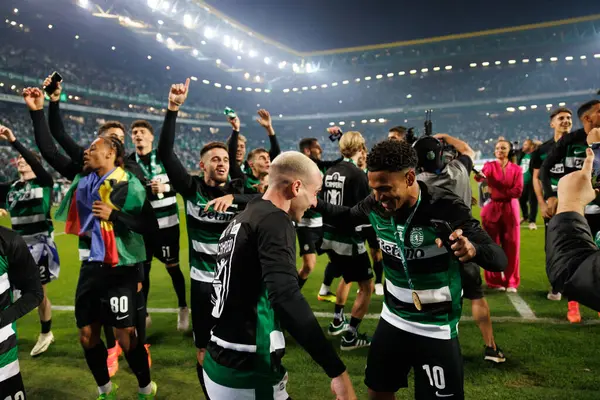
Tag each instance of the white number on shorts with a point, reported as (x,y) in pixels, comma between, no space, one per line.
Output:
(42,271)
(436,376)
(166,250)
(18,396)
(119,304)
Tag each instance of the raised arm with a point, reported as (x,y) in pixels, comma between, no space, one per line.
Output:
(34,99)
(276,250)
(264,119)
(43,177)
(235,171)
(179,177)
(460,146)
(23,275)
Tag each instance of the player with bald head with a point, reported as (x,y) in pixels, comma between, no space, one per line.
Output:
(256,292)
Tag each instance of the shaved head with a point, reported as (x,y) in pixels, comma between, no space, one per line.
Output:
(290,166)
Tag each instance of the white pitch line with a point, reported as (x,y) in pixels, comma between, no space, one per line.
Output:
(521,306)
(320,314)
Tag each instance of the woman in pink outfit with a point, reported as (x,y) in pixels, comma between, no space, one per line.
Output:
(500,216)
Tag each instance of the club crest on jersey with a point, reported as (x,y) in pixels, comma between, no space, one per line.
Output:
(416,237)
(334,188)
(597,238)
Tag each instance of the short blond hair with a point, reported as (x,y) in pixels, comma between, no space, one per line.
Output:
(351,143)
(290,166)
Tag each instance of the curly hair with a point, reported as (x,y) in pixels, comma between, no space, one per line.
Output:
(114,143)
(392,156)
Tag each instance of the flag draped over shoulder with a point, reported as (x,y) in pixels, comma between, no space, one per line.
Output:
(111,244)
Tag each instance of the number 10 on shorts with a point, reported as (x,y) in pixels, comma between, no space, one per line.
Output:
(436,376)
(119,304)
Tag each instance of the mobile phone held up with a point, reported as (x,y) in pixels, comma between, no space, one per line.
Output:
(596,165)
(55,78)
(444,231)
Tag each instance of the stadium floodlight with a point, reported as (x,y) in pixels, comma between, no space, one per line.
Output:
(424,69)
(413,71)
(248,89)
(522,108)
(357,80)
(206,82)
(209,32)
(364,121)
(159,37)
(168,67)
(267,90)
(334,84)
(252,53)
(498,62)
(304,87)
(228,87)
(282,64)
(227,41)
(596,55)
(342,123)
(195,52)
(345,82)
(217,84)
(510,109)
(113,48)
(76,36)
(569,58)
(367,78)
(324,86)
(372,120)
(295,67)
(257,90)
(378,76)
(294,89)
(239,57)
(13,87)
(391,74)
(533,106)
(170,43)
(50,26)
(218,61)
(436,69)
(473,65)
(511,62)
(331,123)
(401,73)
(257,78)
(448,67)
(236,44)
(381,120)
(562,104)
(525,60)
(286,90)
(82,3)
(16,10)
(153,4)
(239,88)
(409,96)
(247,75)
(203,42)
(165,5)
(194,78)
(548,105)
(313,87)
(188,21)
(582,57)
(553,59)
(539,59)
(160,22)
(13,23)
(485,64)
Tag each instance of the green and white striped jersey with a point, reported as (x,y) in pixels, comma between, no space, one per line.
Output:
(204,230)
(434,272)
(164,204)
(29,205)
(9,363)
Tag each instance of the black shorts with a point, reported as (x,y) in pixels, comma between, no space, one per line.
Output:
(437,364)
(45,275)
(352,269)
(202,319)
(164,245)
(471,281)
(309,239)
(12,388)
(106,294)
(371,237)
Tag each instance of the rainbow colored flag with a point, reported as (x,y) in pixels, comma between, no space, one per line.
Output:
(110,243)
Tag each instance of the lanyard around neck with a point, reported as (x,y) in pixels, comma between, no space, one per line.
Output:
(148,173)
(400,240)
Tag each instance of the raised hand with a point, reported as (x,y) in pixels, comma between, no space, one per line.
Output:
(54,96)
(235,123)
(264,119)
(34,98)
(178,94)
(7,134)
(3,212)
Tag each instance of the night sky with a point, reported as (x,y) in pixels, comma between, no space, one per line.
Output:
(308,25)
